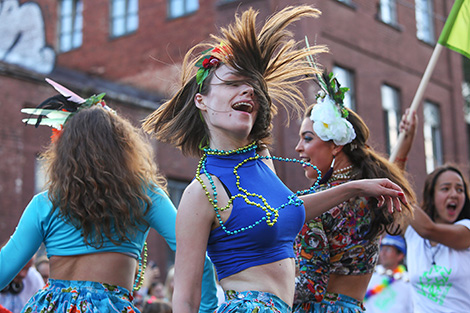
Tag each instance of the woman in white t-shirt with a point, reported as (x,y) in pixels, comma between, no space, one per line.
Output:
(438,238)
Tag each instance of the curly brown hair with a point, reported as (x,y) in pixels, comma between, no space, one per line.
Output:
(270,59)
(368,163)
(99,172)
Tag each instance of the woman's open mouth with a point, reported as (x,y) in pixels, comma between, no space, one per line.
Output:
(243,106)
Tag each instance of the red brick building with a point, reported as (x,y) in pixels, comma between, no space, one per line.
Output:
(131,50)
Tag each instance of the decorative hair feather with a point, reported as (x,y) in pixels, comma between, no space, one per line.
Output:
(56,110)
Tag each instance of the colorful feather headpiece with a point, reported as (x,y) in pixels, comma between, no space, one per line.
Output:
(55,111)
(329,115)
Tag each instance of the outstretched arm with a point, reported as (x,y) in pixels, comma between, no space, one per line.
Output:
(454,236)
(385,190)
(25,241)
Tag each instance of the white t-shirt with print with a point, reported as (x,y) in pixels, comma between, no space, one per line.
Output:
(443,287)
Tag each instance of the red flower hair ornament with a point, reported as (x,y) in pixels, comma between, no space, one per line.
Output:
(209,61)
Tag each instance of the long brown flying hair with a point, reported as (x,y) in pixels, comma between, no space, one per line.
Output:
(272,61)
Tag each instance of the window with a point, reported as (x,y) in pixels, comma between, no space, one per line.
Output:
(466,95)
(391,109)
(70,24)
(388,11)
(432,136)
(346,79)
(177,8)
(424,20)
(124,17)
(39,175)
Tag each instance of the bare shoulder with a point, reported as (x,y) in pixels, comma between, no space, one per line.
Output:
(195,204)
(269,162)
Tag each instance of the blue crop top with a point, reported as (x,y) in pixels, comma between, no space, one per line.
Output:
(255,242)
(38,224)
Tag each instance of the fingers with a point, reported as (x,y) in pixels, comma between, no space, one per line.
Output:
(396,204)
(391,196)
(381,201)
(389,204)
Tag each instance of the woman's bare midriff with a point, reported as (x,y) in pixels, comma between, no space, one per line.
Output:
(276,278)
(105,267)
(354,286)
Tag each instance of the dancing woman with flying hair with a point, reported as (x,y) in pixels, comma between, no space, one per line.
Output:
(236,207)
(104,193)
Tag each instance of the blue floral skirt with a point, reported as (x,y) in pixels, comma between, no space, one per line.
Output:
(252,302)
(72,296)
(332,303)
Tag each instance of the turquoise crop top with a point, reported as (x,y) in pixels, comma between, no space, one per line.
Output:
(255,242)
(38,224)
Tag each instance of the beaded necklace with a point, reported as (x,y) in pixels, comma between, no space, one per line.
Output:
(139,280)
(387,281)
(272,214)
(341,174)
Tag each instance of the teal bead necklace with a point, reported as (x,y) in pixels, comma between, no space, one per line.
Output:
(272,214)
(139,280)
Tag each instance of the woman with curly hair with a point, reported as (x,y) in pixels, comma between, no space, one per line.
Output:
(104,193)
(237,208)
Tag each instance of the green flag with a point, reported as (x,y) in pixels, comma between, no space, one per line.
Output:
(456,32)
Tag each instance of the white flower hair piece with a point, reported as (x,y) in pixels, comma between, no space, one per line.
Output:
(329,124)
(329,115)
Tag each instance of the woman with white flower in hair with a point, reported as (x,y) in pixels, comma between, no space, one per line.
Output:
(337,252)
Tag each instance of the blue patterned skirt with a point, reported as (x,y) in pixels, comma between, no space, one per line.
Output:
(332,303)
(72,296)
(252,302)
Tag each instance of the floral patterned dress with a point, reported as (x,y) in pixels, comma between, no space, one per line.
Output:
(333,243)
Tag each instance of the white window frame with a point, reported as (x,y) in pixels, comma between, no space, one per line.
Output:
(346,79)
(391,108)
(424,20)
(40,176)
(124,17)
(178,8)
(432,130)
(70,24)
(388,11)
